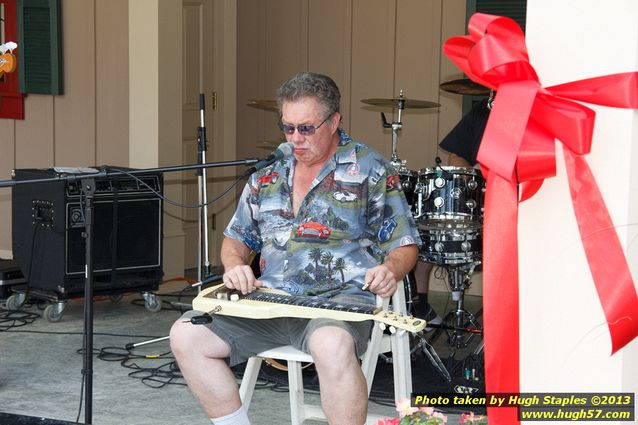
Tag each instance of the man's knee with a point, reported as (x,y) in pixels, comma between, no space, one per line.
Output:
(331,346)
(181,337)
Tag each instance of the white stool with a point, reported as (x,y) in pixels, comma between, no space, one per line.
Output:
(397,343)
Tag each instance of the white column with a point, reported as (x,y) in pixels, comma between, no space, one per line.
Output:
(565,343)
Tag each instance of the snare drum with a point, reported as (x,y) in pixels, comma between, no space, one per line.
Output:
(447,244)
(449,194)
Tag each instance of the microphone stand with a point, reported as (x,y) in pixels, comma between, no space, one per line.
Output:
(202,248)
(88,189)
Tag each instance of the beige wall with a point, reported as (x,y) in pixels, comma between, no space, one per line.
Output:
(110,114)
(372,49)
(88,124)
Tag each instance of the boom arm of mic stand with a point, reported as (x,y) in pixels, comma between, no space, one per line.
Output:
(88,189)
(104,172)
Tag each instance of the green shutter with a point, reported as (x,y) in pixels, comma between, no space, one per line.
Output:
(515,9)
(40,47)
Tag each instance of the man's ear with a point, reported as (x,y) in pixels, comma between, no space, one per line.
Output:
(335,120)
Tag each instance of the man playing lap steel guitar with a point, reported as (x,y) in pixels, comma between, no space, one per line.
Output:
(328,221)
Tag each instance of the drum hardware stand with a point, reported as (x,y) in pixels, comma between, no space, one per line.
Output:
(429,351)
(459,324)
(460,318)
(395,126)
(409,282)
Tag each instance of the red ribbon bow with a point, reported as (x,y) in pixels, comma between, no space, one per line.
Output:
(518,147)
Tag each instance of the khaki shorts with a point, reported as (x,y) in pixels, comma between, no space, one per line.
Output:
(247,337)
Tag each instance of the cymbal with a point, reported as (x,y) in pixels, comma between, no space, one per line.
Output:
(402,103)
(465,86)
(265,104)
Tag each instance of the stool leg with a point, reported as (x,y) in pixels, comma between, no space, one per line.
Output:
(248,381)
(295,387)
(402,368)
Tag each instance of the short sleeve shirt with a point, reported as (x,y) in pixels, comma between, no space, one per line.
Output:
(353,215)
(464,139)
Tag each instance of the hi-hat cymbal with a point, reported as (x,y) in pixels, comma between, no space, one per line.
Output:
(265,104)
(402,103)
(465,86)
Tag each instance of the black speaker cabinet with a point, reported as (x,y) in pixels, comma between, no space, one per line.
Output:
(48,229)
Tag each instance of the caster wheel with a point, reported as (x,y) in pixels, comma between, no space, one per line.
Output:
(53,312)
(152,303)
(15,301)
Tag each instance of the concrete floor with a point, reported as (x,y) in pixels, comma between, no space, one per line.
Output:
(41,366)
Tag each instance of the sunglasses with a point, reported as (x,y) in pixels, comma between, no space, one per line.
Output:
(303,129)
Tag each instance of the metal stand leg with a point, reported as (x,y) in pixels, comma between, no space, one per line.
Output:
(410,295)
(459,325)
(463,323)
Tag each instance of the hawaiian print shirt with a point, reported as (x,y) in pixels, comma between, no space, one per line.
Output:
(353,215)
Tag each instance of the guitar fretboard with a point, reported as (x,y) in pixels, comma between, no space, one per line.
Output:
(310,301)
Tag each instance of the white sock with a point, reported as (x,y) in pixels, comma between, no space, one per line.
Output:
(238,417)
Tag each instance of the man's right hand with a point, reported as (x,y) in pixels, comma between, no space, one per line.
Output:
(241,278)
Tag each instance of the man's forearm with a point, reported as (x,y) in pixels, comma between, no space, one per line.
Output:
(234,253)
(401,260)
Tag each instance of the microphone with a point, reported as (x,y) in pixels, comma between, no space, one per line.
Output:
(283,151)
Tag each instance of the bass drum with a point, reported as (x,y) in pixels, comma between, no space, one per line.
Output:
(445,193)
(447,244)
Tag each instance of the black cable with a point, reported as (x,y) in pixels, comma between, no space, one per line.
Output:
(10,319)
(175,203)
(77,418)
(28,277)
(154,377)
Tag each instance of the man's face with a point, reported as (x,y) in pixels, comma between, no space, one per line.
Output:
(316,148)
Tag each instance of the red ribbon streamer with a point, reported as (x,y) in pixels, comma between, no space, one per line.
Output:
(518,147)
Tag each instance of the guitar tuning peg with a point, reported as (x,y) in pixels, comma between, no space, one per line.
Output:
(393,330)
(234,297)
(382,326)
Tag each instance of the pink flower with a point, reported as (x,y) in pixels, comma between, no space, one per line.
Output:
(405,408)
(427,410)
(471,418)
(388,421)
(441,416)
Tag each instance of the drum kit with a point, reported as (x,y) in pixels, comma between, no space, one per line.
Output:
(446,203)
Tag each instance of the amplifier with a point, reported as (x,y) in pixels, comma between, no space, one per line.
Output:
(10,275)
(48,232)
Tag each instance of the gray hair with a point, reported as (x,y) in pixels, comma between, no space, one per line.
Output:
(309,84)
